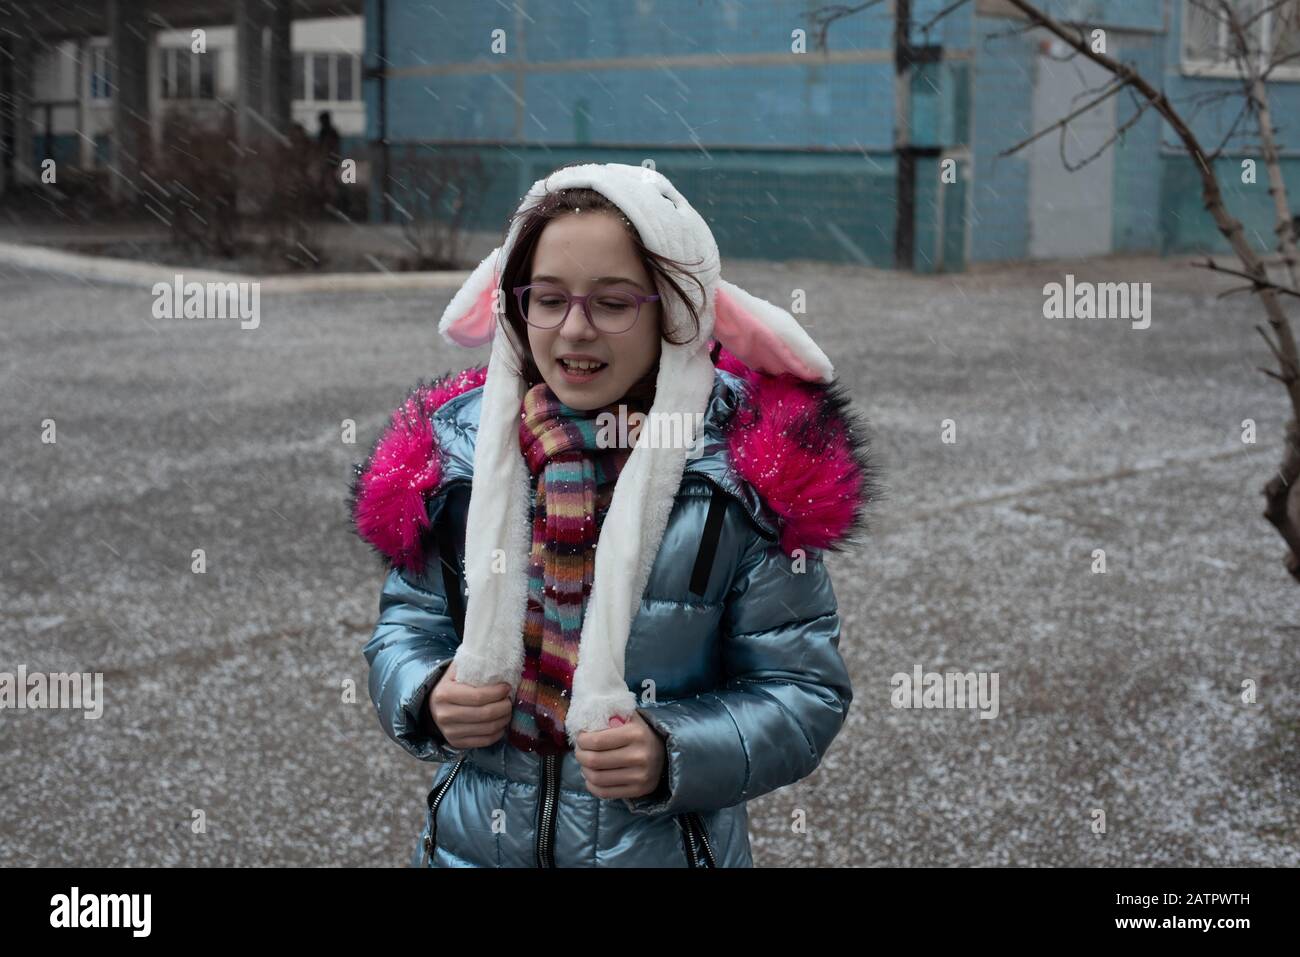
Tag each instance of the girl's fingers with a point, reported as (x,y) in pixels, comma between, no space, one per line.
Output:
(628,756)
(619,777)
(473,696)
(476,727)
(481,727)
(448,712)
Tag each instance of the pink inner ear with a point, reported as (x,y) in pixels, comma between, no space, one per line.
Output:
(478,324)
(753,341)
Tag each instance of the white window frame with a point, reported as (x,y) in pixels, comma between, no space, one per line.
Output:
(167,71)
(354,58)
(98,53)
(1226,68)
(309,76)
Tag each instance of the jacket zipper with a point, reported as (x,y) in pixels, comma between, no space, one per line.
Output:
(435,798)
(546,812)
(697,839)
(689,837)
(704,840)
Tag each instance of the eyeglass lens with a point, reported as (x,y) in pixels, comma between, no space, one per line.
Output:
(611,310)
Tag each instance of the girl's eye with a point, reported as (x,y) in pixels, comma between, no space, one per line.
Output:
(549,302)
(613,305)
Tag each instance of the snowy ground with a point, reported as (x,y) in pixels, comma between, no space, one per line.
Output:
(1119,692)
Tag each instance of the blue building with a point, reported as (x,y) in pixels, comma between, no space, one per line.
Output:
(792,151)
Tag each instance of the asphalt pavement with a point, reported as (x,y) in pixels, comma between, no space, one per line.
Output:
(226,692)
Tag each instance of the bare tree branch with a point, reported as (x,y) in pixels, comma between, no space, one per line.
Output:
(823,17)
(1282,507)
(1115,87)
(1279,509)
(1118,134)
(1255,284)
(925,27)
(1233,290)
(1232,130)
(1277,353)
(1277,62)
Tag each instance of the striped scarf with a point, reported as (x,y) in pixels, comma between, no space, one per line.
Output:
(574,481)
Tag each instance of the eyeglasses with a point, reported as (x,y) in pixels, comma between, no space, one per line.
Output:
(609,310)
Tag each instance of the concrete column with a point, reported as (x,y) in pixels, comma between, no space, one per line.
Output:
(278,78)
(128,66)
(5,122)
(81,69)
(264,61)
(22,89)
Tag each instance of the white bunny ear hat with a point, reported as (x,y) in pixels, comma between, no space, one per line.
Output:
(498,537)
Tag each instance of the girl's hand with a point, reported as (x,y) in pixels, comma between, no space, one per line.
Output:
(469,716)
(624,761)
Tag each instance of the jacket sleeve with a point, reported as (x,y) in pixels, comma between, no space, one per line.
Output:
(785,696)
(413,643)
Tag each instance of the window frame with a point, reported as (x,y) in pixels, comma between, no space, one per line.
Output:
(334,60)
(99,71)
(1225,68)
(168,61)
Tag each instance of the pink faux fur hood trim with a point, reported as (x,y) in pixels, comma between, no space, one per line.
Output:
(389,495)
(802,448)
(797,444)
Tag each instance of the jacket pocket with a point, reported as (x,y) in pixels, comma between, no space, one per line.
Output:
(436,796)
(696,843)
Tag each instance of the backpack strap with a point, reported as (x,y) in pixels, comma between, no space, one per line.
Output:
(451,576)
(709,542)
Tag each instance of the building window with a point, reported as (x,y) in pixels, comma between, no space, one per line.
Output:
(100,77)
(327,77)
(343,77)
(1272,34)
(320,77)
(207,77)
(182,76)
(187,75)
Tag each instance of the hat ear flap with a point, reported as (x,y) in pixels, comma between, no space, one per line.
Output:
(766,337)
(470,318)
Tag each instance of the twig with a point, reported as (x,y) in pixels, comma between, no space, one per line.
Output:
(1277,354)
(1124,128)
(1256,282)
(1061,122)
(925,27)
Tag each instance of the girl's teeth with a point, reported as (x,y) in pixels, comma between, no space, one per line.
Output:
(581,366)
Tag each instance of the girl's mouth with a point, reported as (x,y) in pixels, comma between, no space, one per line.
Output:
(573,373)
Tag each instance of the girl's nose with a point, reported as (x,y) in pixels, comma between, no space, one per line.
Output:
(576,325)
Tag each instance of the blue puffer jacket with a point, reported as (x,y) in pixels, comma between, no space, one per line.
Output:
(738,625)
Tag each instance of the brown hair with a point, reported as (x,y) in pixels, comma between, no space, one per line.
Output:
(518,270)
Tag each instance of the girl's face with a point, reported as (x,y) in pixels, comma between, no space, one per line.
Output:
(582,252)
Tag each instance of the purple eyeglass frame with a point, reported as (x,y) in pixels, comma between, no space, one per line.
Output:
(586,309)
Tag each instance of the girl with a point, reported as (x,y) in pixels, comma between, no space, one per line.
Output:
(611,706)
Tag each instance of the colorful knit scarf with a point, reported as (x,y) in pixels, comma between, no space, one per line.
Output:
(574,481)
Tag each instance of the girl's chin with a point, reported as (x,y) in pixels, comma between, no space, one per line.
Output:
(589,392)
(580,399)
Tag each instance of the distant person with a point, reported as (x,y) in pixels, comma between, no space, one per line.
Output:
(330,145)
